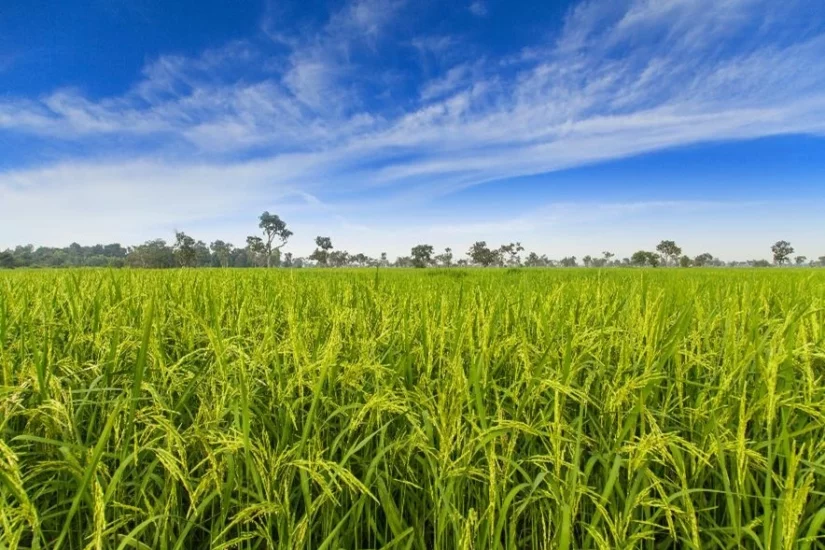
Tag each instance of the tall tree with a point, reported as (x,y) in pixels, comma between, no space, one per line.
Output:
(273,228)
(151,254)
(669,251)
(254,249)
(800,260)
(480,254)
(422,255)
(643,257)
(222,251)
(184,249)
(703,259)
(781,251)
(509,254)
(446,258)
(321,253)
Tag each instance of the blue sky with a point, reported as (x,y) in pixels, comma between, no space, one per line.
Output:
(571,127)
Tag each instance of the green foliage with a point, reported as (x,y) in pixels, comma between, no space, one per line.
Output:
(422,255)
(782,250)
(481,254)
(669,251)
(643,258)
(273,227)
(394,409)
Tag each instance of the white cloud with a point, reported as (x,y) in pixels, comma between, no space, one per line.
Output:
(622,78)
(478,8)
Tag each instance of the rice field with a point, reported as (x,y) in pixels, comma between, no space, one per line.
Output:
(431,409)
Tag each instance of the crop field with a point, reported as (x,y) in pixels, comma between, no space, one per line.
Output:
(430,409)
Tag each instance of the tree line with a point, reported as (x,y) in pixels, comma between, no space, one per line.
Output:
(265,250)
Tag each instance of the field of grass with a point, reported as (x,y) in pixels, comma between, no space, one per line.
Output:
(440,409)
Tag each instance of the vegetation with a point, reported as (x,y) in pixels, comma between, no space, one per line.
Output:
(262,251)
(412,409)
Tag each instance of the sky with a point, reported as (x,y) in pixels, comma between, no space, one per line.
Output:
(571,127)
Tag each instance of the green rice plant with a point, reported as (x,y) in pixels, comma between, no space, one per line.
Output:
(484,409)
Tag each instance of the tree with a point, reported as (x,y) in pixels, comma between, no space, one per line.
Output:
(445,259)
(669,251)
(383,262)
(607,255)
(703,259)
(184,249)
(509,254)
(481,255)
(643,257)
(6,260)
(203,258)
(222,251)
(685,261)
(588,260)
(534,260)
(151,254)
(800,260)
(422,255)
(338,258)
(274,228)
(822,261)
(781,251)
(569,261)
(321,253)
(254,249)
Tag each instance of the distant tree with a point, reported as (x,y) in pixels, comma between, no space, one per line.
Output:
(569,261)
(703,259)
(534,260)
(338,258)
(799,260)
(643,257)
(254,249)
(639,258)
(446,258)
(222,251)
(781,251)
(287,260)
(509,254)
(422,255)
(203,258)
(587,260)
(403,261)
(383,262)
(822,261)
(184,249)
(273,228)
(669,251)
(321,253)
(360,259)
(6,260)
(607,255)
(760,263)
(151,254)
(685,261)
(481,255)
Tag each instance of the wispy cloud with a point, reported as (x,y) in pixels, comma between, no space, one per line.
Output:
(478,8)
(310,108)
